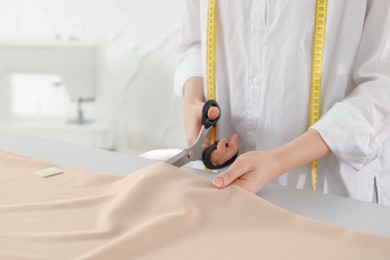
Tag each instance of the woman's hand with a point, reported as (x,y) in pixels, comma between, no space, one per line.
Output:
(192,109)
(253,170)
(226,149)
(192,106)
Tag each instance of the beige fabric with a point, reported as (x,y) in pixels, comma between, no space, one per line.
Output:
(159,212)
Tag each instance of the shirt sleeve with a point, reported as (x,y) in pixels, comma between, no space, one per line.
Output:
(189,56)
(356,127)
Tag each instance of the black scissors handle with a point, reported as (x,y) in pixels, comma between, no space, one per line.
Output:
(206,155)
(206,158)
(205,118)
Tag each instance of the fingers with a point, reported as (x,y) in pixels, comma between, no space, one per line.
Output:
(236,175)
(213,113)
(193,123)
(251,171)
(192,120)
(228,176)
(225,150)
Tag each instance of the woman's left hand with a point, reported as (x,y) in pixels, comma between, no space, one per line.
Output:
(251,171)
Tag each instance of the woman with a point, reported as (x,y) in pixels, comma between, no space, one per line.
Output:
(263,70)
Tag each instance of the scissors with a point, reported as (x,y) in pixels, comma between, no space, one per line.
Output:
(196,152)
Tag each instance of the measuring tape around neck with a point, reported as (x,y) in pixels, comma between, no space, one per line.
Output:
(316,66)
(316,72)
(211,46)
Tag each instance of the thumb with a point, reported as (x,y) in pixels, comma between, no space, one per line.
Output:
(213,113)
(228,176)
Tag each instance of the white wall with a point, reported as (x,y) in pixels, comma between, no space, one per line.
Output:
(140,38)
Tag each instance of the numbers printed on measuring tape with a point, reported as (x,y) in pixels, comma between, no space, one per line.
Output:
(211,48)
(316,72)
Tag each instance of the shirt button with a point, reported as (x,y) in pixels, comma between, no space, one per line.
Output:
(257,29)
(252,127)
(255,80)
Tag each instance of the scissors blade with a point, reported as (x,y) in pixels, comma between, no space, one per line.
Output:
(179,159)
(192,153)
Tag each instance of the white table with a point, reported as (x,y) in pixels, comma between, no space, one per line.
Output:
(343,212)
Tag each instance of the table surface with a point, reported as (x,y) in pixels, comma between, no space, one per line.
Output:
(339,211)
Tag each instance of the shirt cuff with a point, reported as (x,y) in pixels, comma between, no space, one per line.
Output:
(349,135)
(188,68)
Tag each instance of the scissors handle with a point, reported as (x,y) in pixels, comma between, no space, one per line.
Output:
(196,152)
(206,154)
(205,118)
(206,158)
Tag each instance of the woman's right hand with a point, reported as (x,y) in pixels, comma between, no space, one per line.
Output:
(192,109)
(192,106)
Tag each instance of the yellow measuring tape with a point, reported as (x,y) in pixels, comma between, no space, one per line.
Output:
(211,46)
(316,72)
(316,67)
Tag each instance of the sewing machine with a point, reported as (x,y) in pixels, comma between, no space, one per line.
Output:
(77,63)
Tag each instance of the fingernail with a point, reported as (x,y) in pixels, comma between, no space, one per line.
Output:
(218,181)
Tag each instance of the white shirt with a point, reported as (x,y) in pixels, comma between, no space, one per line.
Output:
(263,68)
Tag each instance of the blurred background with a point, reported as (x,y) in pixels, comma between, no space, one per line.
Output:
(93,72)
